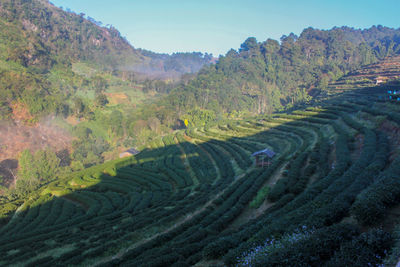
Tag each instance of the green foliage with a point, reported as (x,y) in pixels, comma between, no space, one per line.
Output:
(101,100)
(307,249)
(371,205)
(180,200)
(88,148)
(264,76)
(35,169)
(261,196)
(368,249)
(199,117)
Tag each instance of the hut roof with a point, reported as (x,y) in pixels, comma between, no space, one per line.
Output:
(268,152)
(132,151)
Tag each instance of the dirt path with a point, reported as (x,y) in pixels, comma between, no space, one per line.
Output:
(75,202)
(186,218)
(249,213)
(186,163)
(213,263)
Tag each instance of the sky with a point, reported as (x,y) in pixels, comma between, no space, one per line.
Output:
(216,26)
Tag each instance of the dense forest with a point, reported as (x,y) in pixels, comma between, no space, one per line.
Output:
(38,62)
(54,62)
(262,77)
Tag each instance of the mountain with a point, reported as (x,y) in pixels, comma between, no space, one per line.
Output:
(266,76)
(44,35)
(41,43)
(62,74)
(205,188)
(382,72)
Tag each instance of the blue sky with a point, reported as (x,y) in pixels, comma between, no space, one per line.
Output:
(215,26)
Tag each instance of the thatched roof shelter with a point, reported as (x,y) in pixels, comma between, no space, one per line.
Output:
(261,155)
(129,152)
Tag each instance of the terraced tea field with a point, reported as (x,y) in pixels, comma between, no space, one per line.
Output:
(185,200)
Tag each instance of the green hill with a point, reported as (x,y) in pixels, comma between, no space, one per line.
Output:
(195,196)
(266,76)
(48,54)
(36,62)
(44,35)
(64,70)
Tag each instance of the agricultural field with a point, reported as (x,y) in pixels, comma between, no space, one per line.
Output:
(195,197)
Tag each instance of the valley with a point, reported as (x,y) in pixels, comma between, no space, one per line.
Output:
(280,153)
(174,202)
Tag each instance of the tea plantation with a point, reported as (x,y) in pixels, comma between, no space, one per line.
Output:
(327,198)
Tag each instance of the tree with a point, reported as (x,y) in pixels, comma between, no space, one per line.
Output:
(47,163)
(101,100)
(249,44)
(26,167)
(35,169)
(82,132)
(2,183)
(154,124)
(115,123)
(99,84)
(79,106)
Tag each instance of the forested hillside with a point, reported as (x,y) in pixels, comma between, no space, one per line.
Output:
(75,93)
(49,34)
(65,76)
(266,76)
(269,76)
(42,44)
(172,66)
(195,197)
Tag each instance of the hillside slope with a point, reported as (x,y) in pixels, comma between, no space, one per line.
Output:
(193,195)
(41,44)
(180,201)
(59,69)
(382,72)
(44,34)
(266,76)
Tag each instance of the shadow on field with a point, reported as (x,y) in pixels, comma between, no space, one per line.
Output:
(172,200)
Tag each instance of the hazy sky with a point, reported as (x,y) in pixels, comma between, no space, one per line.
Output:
(215,26)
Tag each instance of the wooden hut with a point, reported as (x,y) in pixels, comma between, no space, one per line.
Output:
(263,157)
(128,153)
(380,80)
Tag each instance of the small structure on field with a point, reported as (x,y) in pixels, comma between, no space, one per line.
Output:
(128,153)
(263,157)
(379,80)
